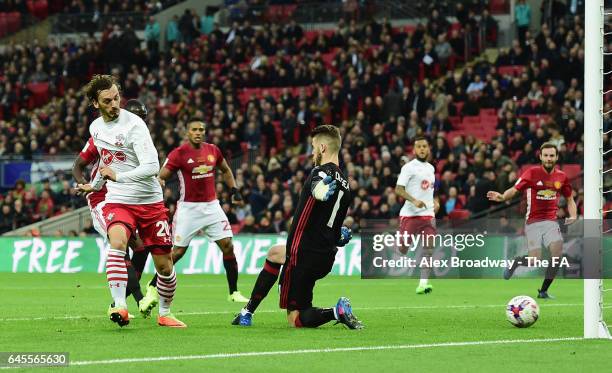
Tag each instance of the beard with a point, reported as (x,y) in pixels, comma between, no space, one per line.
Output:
(547,168)
(422,159)
(318,157)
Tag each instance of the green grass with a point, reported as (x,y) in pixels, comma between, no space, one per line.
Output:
(457,311)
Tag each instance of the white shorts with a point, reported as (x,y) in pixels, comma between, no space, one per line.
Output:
(190,217)
(542,233)
(97,219)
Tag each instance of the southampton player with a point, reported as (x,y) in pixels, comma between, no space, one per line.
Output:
(198,208)
(416,185)
(95,200)
(312,239)
(542,186)
(268,275)
(134,198)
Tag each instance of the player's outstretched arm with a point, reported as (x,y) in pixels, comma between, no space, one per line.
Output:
(498,197)
(400,190)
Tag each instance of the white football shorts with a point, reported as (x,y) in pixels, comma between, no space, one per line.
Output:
(542,233)
(191,217)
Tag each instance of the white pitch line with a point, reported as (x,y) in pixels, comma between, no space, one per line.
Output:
(316,351)
(203,313)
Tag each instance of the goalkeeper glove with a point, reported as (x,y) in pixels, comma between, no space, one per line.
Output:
(345,236)
(325,188)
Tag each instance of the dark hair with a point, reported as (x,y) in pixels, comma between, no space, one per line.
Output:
(97,84)
(137,107)
(421,138)
(195,120)
(549,145)
(330,132)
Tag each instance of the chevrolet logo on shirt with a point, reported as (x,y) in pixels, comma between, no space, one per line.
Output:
(546,194)
(203,169)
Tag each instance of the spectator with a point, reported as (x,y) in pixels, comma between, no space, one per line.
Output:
(522,18)
(151,35)
(172,30)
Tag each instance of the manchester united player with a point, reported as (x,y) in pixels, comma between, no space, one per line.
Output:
(134,198)
(542,186)
(416,185)
(95,200)
(198,208)
(312,239)
(268,276)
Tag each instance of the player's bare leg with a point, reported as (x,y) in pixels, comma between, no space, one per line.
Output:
(556,252)
(265,281)
(116,272)
(166,286)
(231,269)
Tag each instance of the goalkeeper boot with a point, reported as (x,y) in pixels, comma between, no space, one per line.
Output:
(344,312)
(119,315)
(170,321)
(237,297)
(424,289)
(150,300)
(544,295)
(244,318)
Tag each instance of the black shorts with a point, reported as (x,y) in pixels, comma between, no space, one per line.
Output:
(298,280)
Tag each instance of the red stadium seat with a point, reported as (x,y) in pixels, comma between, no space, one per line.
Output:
(40,93)
(572,170)
(512,70)
(459,214)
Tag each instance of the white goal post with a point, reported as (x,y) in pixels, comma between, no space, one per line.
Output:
(594,325)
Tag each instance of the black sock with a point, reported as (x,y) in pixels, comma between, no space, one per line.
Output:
(231,271)
(266,279)
(313,317)
(133,286)
(139,260)
(153,281)
(518,261)
(551,272)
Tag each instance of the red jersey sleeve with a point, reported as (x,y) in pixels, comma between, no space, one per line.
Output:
(566,188)
(523,182)
(219,156)
(173,162)
(89,153)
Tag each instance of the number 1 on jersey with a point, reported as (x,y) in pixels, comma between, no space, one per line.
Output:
(330,222)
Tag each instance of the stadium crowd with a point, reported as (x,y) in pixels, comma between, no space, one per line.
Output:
(261,90)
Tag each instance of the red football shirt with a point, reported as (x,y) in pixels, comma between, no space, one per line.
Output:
(542,192)
(196,171)
(90,154)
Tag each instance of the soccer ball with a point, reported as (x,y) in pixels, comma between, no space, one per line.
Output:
(522,311)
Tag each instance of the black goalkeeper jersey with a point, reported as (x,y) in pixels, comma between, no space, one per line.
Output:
(316,224)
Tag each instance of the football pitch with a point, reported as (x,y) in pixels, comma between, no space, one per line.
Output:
(460,326)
